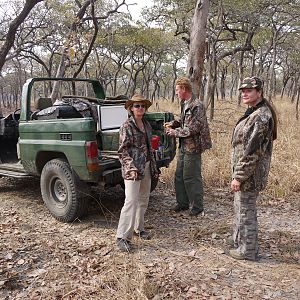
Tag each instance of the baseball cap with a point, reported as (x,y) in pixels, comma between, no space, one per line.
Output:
(251,83)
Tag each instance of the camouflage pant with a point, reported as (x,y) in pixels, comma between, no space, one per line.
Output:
(245,229)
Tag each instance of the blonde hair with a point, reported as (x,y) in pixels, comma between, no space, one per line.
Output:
(184,82)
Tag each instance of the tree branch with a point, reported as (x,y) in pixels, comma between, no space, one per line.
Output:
(13,27)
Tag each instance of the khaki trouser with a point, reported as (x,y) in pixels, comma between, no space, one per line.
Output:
(136,202)
(245,228)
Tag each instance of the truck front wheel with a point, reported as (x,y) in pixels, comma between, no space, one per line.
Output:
(60,191)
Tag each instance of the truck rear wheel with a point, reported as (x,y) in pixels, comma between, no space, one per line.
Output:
(60,191)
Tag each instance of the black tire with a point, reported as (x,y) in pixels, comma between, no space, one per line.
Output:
(60,189)
(154,182)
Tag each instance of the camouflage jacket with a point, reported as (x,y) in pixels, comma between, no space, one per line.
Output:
(135,148)
(252,143)
(192,128)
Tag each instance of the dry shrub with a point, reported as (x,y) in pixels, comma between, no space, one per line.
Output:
(284,178)
(285,167)
(129,279)
(167,175)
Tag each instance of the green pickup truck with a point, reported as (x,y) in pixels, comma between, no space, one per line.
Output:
(70,141)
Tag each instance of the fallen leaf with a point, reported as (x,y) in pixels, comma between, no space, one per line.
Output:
(192,253)
(172,267)
(37,272)
(2,283)
(8,256)
(193,289)
(21,262)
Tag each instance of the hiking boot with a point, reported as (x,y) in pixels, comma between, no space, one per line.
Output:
(179,208)
(123,245)
(195,211)
(234,253)
(144,235)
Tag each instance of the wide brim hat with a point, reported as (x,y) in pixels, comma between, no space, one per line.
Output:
(251,83)
(138,99)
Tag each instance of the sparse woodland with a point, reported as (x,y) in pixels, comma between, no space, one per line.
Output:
(92,39)
(41,258)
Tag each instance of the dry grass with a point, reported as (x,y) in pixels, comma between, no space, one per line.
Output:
(284,178)
(44,259)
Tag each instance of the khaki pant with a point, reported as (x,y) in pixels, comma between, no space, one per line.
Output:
(136,202)
(245,228)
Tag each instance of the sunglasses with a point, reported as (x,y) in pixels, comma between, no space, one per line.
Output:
(139,105)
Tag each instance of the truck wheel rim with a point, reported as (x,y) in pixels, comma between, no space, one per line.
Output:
(58,191)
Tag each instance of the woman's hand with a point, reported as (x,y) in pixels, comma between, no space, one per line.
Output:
(235,185)
(133,174)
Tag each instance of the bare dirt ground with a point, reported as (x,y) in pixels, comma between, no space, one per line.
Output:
(41,258)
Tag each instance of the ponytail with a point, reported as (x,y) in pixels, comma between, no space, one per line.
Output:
(275,119)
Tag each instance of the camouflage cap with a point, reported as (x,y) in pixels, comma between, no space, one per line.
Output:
(138,98)
(251,83)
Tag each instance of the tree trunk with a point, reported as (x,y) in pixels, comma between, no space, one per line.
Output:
(212,78)
(232,87)
(297,104)
(284,84)
(174,67)
(222,83)
(271,89)
(291,88)
(64,56)
(241,75)
(253,63)
(197,45)
(295,89)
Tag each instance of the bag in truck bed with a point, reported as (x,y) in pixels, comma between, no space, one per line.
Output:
(67,108)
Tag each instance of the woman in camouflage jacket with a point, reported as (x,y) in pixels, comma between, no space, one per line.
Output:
(252,143)
(138,167)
